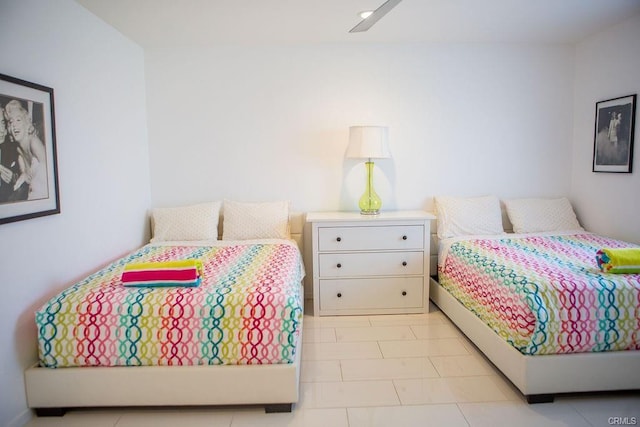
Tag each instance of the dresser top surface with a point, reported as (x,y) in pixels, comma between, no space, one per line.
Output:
(357,216)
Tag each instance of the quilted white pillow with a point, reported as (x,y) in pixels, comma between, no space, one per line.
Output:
(540,215)
(246,220)
(461,216)
(195,222)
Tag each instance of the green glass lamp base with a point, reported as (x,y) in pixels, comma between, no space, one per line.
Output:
(370,203)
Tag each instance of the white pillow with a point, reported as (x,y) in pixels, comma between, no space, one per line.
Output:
(195,222)
(245,220)
(540,215)
(460,216)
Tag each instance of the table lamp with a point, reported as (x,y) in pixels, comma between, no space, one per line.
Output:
(369,142)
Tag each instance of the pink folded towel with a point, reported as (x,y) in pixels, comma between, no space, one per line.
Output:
(169,273)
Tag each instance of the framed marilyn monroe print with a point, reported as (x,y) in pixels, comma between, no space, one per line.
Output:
(28,161)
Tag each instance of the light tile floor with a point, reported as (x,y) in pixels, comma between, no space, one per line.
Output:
(399,370)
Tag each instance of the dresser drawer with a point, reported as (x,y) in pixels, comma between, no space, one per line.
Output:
(371,264)
(371,238)
(379,293)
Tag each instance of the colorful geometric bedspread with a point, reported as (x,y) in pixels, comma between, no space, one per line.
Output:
(545,294)
(247,310)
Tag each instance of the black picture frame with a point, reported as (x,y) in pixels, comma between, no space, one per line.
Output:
(613,136)
(28,157)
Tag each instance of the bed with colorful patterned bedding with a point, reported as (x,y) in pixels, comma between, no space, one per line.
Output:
(544,294)
(245,314)
(541,310)
(247,310)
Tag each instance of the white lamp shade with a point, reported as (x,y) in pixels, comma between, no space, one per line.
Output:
(368,142)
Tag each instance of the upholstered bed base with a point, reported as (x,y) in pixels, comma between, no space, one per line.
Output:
(53,391)
(539,378)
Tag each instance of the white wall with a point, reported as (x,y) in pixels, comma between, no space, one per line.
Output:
(607,66)
(98,81)
(260,123)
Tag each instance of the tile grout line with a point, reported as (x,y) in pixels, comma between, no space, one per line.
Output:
(395,389)
(415,336)
(463,414)
(380,350)
(581,414)
(346,410)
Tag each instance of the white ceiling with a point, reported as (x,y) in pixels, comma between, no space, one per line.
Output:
(172,23)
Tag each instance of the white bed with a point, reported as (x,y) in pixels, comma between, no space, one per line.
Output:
(540,377)
(53,391)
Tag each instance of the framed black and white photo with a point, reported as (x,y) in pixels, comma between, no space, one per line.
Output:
(613,140)
(28,163)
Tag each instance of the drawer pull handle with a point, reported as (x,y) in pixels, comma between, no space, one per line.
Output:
(404,237)
(339,265)
(404,263)
(339,239)
(404,293)
(339,295)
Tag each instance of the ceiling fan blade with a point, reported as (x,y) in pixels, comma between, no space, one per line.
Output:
(377,14)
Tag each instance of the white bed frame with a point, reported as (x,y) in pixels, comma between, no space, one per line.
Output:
(53,391)
(539,378)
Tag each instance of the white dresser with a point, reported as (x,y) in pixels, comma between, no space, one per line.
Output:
(370,264)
